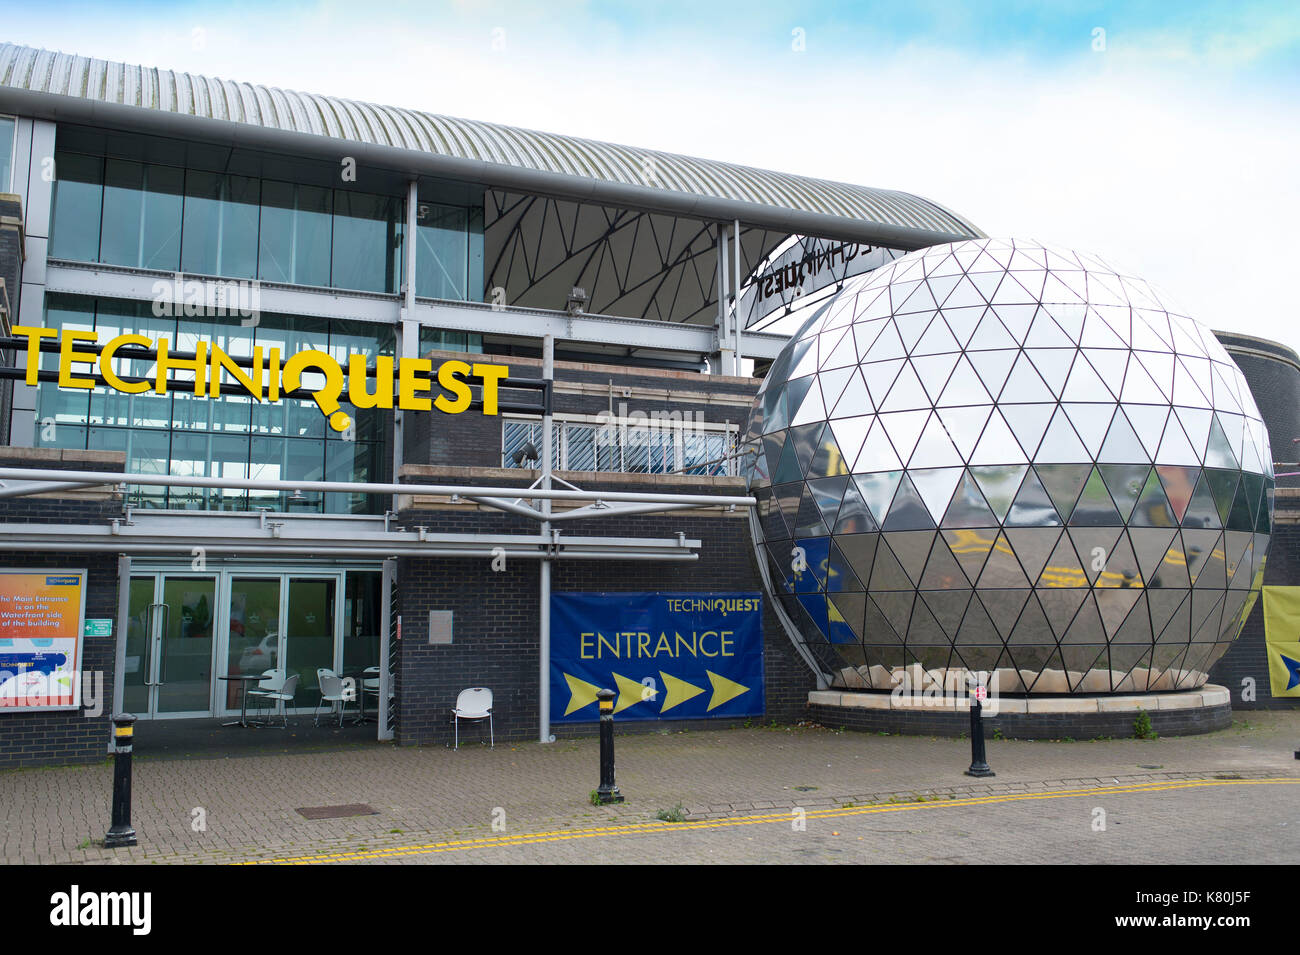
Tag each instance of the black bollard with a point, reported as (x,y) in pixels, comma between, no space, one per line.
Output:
(121,833)
(978,765)
(607,791)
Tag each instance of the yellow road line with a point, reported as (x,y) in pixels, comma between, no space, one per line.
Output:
(641,828)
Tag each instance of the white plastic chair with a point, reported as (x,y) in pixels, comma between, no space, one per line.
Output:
(284,696)
(272,682)
(474,704)
(331,691)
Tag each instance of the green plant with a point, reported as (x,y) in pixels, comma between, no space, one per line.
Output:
(1142,726)
(676,814)
(594,797)
(997,733)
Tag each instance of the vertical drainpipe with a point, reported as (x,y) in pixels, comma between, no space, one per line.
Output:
(736,293)
(544,588)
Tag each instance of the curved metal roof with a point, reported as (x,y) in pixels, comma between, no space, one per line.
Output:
(79,88)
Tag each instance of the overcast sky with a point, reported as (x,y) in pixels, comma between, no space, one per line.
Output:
(1163,136)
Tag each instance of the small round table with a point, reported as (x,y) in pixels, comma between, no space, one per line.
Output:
(359,678)
(245,678)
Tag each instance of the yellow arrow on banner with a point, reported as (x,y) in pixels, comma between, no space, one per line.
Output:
(679,691)
(630,693)
(724,690)
(581,693)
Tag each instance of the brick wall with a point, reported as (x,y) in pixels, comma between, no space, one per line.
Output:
(497,624)
(66,736)
(1247,659)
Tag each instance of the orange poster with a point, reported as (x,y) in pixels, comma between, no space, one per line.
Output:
(41,614)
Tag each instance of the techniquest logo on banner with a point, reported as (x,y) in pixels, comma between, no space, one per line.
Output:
(76,908)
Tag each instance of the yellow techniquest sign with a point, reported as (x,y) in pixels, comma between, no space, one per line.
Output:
(272,374)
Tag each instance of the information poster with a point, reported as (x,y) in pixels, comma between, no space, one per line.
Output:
(41,615)
(665,655)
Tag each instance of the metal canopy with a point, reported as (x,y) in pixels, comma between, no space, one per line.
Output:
(70,88)
(639,264)
(267,534)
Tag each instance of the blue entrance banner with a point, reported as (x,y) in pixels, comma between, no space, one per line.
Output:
(668,656)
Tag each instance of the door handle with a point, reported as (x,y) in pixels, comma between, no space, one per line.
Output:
(162,643)
(151,629)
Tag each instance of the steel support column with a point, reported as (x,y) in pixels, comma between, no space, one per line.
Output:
(544,582)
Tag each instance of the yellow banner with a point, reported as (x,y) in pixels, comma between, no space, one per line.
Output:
(1282,637)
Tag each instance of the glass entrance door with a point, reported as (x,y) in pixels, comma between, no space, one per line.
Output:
(288,621)
(186,630)
(310,630)
(254,628)
(169,644)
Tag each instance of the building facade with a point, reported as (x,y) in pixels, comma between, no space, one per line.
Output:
(219,231)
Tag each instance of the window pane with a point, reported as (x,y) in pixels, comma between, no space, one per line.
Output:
(516,434)
(441,254)
(220,235)
(580,448)
(78,199)
(6,155)
(309,638)
(357,462)
(649,451)
(476,255)
(294,244)
(293,417)
(56,407)
(443,340)
(361,338)
(147,452)
(701,448)
(367,242)
(142,215)
(363,619)
(147,409)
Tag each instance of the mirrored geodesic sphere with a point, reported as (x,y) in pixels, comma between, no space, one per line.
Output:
(1000,456)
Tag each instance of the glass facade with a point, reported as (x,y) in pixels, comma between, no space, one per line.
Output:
(449,252)
(437,339)
(1002,456)
(7,127)
(181,434)
(154,216)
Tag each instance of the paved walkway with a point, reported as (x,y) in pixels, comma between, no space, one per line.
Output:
(1230,796)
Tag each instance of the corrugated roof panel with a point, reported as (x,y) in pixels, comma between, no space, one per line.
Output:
(39,71)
